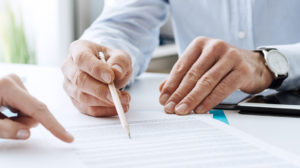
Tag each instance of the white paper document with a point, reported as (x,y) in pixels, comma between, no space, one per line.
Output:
(175,142)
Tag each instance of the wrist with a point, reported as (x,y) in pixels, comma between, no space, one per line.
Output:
(266,75)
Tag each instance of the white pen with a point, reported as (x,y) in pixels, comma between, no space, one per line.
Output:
(117,102)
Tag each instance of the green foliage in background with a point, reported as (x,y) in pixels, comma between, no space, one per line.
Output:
(14,46)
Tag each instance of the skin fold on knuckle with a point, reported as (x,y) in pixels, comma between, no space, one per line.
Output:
(206,82)
(100,92)
(83,98)
(179,68)
(169,87)
(80,78)
(176,97)
(192,76)
(38,110)
(95,69)
(80,58)
(190,101)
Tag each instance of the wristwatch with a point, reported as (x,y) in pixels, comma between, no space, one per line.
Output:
(277,64)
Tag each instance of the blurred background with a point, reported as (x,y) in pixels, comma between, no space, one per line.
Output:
(40,31)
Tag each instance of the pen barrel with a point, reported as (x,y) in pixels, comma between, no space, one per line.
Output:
(116,101)
(118,106)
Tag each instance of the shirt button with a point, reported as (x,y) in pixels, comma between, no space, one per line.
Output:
(241,35)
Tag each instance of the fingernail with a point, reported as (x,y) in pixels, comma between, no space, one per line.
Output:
(106,77)
(117,67)
(181,109)
(22,134)
(164,98)
(69,136)
(169,108)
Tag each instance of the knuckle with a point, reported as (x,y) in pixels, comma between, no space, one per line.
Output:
(222,87)
(125,55)
(192,76)
(206,82)
(13,77)
(74,44)
(80,57)
(190,100)
(5,81)
(218,45)
(245,69)
(233,54)
(39,109)
(177,96)
(169,88)
(82,97)
(179,68)
(200,40)
(80,78)
(93,112)
(100,92)
(232,51)
(121,56)
(94,69)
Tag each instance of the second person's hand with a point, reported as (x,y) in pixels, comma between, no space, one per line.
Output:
(30,112)
(86,78)
(210,70)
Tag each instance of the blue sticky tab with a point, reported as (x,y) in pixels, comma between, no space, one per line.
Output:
(219,115)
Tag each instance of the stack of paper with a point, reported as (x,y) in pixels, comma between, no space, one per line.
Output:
(182,142)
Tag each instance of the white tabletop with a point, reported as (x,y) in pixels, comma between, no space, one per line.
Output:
(46,84)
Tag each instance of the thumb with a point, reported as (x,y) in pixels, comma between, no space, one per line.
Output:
(13,130)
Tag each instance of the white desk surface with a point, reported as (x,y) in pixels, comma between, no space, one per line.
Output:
(46,84)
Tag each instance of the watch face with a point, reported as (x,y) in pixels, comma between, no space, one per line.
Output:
(277,62)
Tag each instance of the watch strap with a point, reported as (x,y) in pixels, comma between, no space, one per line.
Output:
(278,81)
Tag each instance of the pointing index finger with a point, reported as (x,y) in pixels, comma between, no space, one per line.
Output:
(37,110)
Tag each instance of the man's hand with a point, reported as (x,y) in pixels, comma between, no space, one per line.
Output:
(208,71)
(30,111)
(86,78)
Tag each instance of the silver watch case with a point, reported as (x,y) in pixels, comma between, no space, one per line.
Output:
(282,65)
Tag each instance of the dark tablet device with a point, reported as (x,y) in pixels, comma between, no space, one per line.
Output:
(282,103)
(231,102)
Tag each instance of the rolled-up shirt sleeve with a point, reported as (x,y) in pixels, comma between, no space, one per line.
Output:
(132,26)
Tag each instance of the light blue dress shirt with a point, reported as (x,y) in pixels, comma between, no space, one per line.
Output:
(133,26)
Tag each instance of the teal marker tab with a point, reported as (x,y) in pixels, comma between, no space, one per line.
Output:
(219,115)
